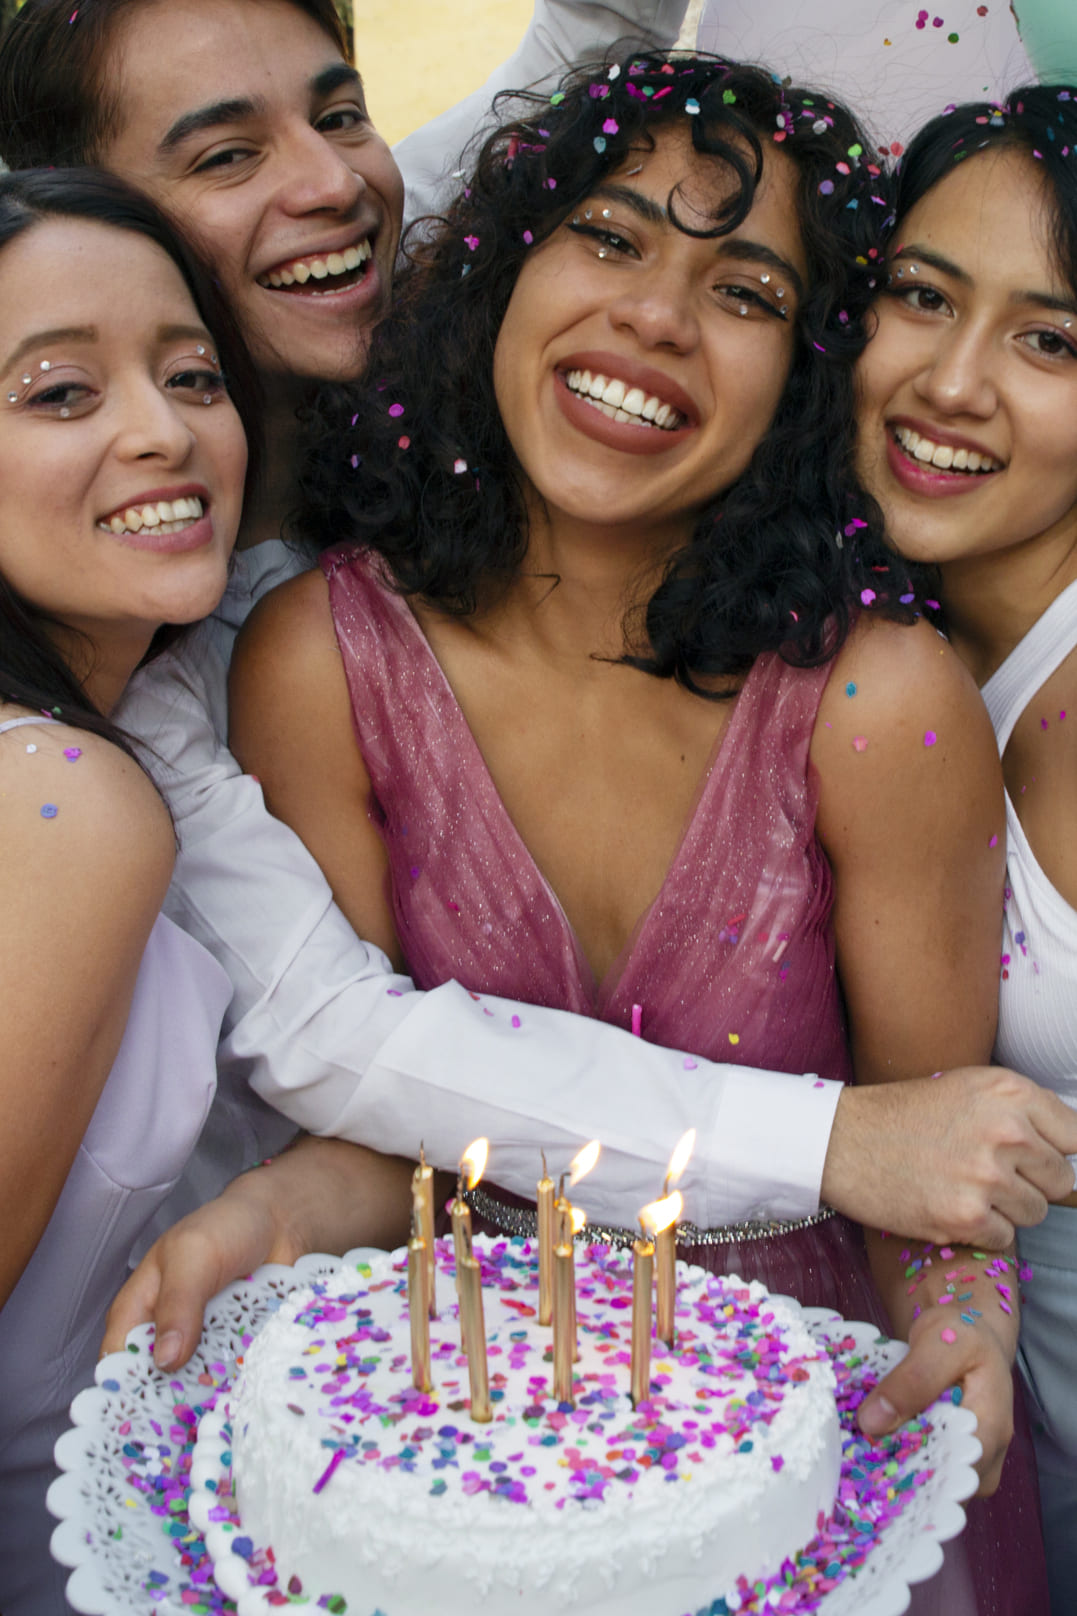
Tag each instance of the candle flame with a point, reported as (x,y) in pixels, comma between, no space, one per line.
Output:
(473,1161)
(579,1219)
(660,1214)
(680,1158)
(583,1161)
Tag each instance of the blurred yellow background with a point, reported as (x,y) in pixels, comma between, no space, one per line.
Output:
(418,57)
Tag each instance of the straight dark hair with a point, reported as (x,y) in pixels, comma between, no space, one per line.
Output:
(33,673)
(1037,119)
(58,104)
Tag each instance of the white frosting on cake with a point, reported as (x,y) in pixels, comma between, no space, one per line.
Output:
(604,1509)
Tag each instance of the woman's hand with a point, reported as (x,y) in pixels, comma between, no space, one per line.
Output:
(320,1195)
(943,1352)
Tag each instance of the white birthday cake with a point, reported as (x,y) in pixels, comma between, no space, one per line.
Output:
(393,1500)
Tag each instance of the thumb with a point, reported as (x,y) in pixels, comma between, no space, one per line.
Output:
(134,1304)
(914,1383)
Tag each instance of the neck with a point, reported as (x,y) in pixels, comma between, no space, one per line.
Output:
(992,601)
(277,490)
(103,664)
(578,581)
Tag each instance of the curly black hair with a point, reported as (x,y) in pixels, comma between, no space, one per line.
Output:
(781,560)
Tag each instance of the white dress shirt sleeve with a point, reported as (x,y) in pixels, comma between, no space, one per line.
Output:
(561,34)
(321,1028)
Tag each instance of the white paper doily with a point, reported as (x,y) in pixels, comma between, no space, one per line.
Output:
(122,1499)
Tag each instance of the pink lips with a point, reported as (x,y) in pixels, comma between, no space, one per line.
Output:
(627,436)
(921,477)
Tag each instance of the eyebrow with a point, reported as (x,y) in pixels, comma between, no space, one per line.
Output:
(236,109)
(90,333)
(42,339)
(738,248)
(1046,300)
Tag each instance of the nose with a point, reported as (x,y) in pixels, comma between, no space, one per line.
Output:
(657,306)
(314,177)
(152,426)
(959,376)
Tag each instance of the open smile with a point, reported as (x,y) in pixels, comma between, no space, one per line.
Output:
(321,273)
(928,451)
(622,402)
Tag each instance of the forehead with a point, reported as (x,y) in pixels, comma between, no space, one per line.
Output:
(64,272)
(992,215)
(702,183)
(169,59)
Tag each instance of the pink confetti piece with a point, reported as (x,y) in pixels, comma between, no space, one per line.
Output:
(637,1020)
(396,410)
(516,1022)
(403,443)
(948,1335)
(860,743)
(993,842)
(72,753)
(867,596)
(930,737)
(327,1474)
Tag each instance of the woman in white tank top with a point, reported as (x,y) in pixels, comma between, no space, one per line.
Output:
(968,440)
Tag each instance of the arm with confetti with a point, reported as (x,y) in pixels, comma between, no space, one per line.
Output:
(87,857)
(911,816)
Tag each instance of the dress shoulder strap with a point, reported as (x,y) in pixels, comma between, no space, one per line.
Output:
(17,723)
(1031,663)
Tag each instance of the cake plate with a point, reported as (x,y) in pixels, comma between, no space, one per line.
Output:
(122,1500)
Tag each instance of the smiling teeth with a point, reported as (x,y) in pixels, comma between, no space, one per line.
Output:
(164,516)
(941,454)
(623,403)
(320,268)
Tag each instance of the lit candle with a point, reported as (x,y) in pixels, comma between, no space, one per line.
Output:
(469,1282)
(472,1164)
(564,1322)
(642,1284)
(667,1213)
(422,1188)
(544,1204)
(417,1309)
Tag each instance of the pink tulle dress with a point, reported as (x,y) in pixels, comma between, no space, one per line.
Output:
(738,940)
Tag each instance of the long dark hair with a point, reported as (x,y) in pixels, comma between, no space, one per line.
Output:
(1039,119)
(776,562)
(58,78)
(33,673)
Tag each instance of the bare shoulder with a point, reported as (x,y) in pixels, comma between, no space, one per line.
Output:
(899,690)
(76,809)
(290,628)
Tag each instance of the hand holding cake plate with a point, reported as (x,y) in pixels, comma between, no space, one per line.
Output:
(123,1499)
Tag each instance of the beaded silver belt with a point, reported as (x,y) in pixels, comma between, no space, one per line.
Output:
(522,1220)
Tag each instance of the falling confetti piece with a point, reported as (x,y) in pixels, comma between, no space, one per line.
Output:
(867,596)
(396,410)
(930,737)
(850,689)
(734,1038)
(516,1022)
(948,1335)
(993,842)
(403,443)
(72,753)
(49,811)
(860,743)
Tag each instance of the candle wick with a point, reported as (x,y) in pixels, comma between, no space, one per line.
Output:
(545,1174)
(422,1154)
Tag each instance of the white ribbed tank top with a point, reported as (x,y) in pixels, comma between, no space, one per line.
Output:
(1037,1032)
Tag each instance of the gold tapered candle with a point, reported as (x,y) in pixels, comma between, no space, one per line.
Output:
(642,1285)
(469,1281)
(417,1313)
(472,1163)
(544,1210)
(422,1189)
(564,1323)
(665,1243)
